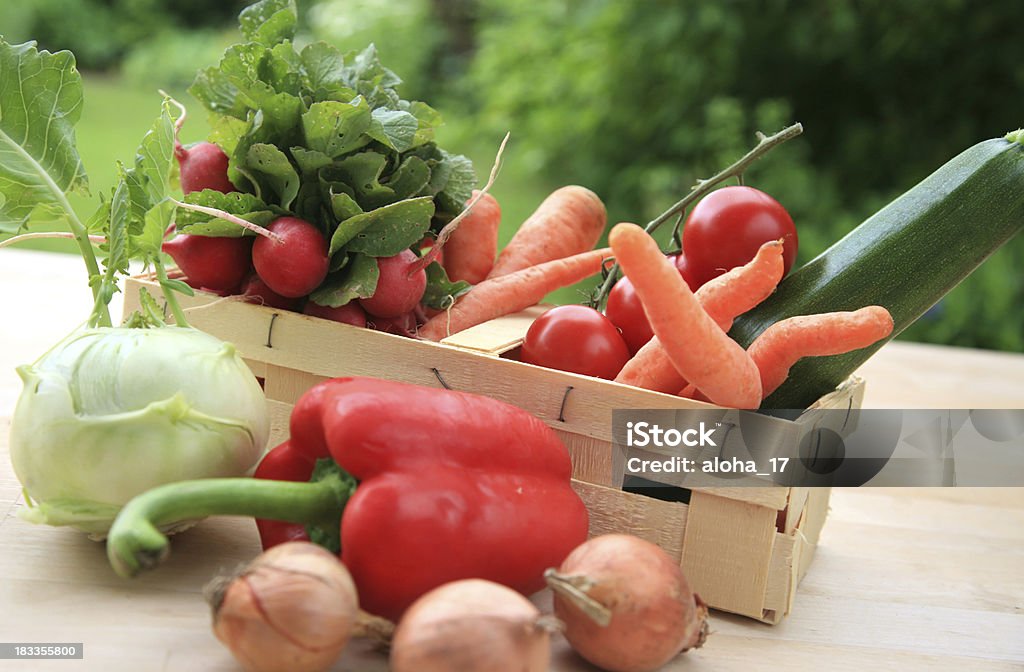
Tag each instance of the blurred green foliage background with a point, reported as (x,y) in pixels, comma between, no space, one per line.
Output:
(635,100)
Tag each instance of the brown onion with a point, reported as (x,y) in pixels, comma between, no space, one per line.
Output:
(472,626)
(293,608)
(626,605)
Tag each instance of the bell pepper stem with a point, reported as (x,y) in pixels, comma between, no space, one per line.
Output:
(135,542)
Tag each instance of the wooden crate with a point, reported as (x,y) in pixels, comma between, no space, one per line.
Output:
(744,549)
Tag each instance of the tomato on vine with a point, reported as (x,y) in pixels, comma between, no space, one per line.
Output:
(727,227)
(577,339)
(627,313)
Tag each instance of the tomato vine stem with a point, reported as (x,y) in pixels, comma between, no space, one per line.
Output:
(699,190)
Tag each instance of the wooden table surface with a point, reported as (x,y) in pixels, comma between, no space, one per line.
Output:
(905,579)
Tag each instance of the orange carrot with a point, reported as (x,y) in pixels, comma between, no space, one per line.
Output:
(724,298)
(511,293)
(470,250)
(569,221)
(695,344)
(779,346)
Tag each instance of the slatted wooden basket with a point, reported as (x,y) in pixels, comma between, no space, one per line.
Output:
(744,549)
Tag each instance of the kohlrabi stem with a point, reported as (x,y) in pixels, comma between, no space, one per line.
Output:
(701,188)
(135,543)
(81,235)
(172,300)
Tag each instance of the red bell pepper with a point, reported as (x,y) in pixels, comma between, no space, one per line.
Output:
(451,485)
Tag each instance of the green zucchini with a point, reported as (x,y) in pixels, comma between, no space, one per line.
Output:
(905,257)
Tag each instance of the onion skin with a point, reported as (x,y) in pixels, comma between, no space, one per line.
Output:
(471,626)
(292,609)
(655,615)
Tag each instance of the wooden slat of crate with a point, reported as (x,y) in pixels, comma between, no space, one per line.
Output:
(772,498)
(279,413)
(727,551)
(497,336)
(782,578)
(809,532)
(287,385)
(617,512)
(794,508)
(591,458)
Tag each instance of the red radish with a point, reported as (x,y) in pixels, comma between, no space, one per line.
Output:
(397,291)
(297,264)
(472,626)
(203,165)
(403,325)
(350,313)
(256,291)
(626,605)
(212,262)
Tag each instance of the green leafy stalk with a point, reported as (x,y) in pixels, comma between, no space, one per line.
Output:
(169,287)
(40,103)
(702,188)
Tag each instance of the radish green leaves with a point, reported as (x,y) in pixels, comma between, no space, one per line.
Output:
(326,137)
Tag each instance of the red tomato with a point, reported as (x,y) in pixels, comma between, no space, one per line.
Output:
(627,313)
(683,265)
(727,227)
(576,339)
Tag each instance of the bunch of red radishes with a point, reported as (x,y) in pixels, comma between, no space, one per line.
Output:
(342,181)
(621,602)
(282,269)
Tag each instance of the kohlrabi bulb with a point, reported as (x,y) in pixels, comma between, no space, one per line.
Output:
(112,412)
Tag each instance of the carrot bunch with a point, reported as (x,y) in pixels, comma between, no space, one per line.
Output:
(692,355)
(552,249)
